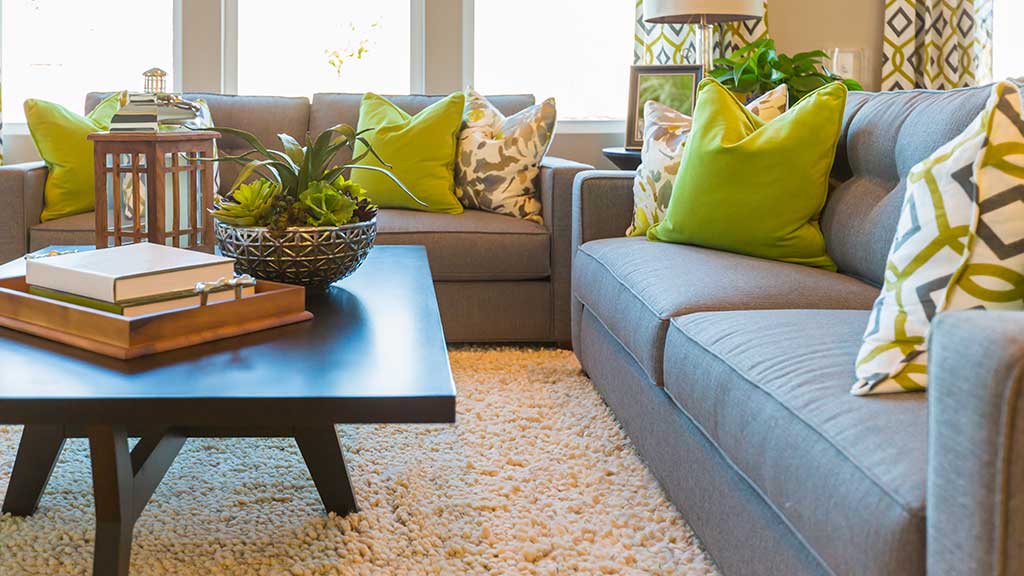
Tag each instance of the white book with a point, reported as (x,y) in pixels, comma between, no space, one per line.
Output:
(126,273)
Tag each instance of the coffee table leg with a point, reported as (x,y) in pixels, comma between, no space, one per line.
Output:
(112,486)
(321,450)
(122,483)
(37,454)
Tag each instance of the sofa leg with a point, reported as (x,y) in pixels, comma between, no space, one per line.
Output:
(564,345)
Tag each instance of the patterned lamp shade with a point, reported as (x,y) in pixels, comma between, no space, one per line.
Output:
(701,11)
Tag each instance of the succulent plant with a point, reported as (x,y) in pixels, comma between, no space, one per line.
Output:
(250,204)
(298,186)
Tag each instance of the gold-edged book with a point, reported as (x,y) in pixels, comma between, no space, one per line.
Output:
(143,306)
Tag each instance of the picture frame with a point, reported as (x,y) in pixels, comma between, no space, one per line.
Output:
(672,85)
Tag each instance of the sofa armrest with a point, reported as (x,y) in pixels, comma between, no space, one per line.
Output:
(556,177)
(975,492)
(602,205)
(21,203)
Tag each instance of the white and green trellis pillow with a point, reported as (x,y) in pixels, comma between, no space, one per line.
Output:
(959,245)
(665,133)
(499,158)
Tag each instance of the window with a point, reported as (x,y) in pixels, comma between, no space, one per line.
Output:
(301,47)
(59,51)
(1007,41)
(578,51)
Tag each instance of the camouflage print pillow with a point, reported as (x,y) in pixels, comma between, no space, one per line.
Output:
(499,158)
(665,132)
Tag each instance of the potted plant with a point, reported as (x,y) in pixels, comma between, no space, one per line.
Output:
(758,67)
(291,216)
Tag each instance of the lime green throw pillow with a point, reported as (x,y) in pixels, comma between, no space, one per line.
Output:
(60,136)
(756,187)
(421,151)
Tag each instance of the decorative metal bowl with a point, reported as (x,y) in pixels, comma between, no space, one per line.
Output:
(310,257)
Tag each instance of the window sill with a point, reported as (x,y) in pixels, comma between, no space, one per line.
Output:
(564,127)
(591,127)
(15,129)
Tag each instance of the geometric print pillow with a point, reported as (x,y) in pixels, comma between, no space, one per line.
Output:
(498,158)
(959,245)
(665,134)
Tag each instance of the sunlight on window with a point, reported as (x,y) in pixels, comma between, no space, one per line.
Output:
(59,51)
(1007,41)
(302,47)
(578,51)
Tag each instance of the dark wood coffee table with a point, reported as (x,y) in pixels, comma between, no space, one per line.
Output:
(374,353)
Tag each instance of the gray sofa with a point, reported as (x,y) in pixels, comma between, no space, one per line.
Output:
(498,279)
(731,375)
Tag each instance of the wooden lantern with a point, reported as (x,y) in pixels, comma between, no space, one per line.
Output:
(153,186)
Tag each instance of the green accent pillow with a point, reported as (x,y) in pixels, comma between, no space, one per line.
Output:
(421,151)
(60,136)
(756,187)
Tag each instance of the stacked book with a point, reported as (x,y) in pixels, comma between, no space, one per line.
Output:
(139,114)
(133,280)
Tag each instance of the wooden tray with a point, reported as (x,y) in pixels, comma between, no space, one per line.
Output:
(116,336)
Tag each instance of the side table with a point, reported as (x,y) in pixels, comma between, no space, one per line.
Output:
(623,158)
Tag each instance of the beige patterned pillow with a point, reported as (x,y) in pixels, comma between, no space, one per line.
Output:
(665,133)
(499,158)
(958,245)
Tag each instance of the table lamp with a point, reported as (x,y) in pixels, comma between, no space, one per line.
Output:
(704,13)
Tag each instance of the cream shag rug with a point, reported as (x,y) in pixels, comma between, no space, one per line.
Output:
(536,478)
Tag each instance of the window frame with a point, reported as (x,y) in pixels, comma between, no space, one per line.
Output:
(229,44)
(20,129)
(195,72)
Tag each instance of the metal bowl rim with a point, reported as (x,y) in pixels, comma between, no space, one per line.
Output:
(265,229)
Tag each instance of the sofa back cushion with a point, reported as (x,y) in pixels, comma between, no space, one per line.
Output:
(264,116)
(885,134)
(331,109)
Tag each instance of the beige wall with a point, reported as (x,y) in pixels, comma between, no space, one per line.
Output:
(800,25)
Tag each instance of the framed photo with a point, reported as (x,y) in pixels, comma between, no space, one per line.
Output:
(674,86)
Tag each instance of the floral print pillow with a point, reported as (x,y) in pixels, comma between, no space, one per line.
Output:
(499,158)
(665,133)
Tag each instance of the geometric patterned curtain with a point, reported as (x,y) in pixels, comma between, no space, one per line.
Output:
(677,43)
(936,44)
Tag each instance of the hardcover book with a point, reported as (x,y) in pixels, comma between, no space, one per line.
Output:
(143,306)
(126,273)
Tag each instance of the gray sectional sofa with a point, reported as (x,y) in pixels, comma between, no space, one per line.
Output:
(498,279)
(732,374)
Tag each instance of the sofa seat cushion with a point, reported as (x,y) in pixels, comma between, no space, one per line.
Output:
(471,246)
(70,231)
(634,287)
(771,390)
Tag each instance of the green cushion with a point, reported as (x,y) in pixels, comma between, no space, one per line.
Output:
(420,149)
(60,136)
(753,187)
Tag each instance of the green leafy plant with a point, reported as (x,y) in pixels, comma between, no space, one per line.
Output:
(758,68)
(298,186)
(250,205)
(326,206)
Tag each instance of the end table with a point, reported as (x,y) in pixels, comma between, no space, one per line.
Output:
(623,158)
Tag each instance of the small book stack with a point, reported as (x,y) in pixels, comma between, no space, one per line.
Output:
(139,114)
(132,280)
